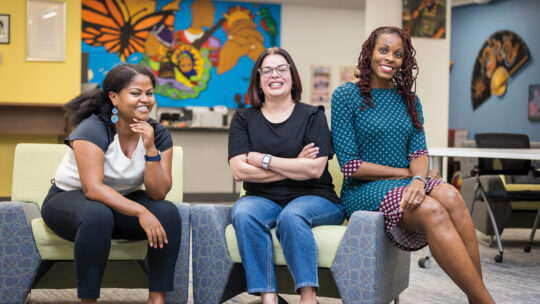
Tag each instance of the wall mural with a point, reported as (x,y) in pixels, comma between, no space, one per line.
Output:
(425,18)
(201,51)
(499,58)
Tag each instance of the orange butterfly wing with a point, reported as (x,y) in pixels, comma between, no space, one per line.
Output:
(105,25)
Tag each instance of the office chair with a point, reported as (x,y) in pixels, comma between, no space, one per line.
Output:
(507,167)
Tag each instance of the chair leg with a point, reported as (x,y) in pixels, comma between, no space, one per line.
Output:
(476,186)
(535,225)
(499,257)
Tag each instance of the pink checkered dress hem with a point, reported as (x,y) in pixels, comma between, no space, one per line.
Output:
(403,239)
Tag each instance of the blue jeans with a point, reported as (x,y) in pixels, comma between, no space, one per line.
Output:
(254,216)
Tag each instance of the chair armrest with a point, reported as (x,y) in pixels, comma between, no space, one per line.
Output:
(18,250)
(211,259)
(368,268)
(181,274)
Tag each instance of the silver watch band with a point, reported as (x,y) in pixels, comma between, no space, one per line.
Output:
(266,161)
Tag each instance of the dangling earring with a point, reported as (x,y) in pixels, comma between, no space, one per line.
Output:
(114,117)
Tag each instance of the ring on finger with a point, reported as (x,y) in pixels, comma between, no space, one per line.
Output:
(416,202)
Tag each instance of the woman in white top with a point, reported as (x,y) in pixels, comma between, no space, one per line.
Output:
(97,191)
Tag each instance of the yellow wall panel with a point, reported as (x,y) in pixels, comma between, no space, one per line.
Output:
(39,82)
(26,82)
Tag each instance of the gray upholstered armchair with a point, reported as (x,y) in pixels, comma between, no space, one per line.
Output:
(33,256)
(357,262)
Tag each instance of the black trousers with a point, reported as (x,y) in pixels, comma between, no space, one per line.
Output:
(91,225)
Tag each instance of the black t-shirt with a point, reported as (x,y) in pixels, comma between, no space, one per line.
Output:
(250,131)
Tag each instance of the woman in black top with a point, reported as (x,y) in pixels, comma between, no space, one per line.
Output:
(279,148)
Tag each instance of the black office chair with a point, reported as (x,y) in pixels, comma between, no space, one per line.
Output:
(507,167)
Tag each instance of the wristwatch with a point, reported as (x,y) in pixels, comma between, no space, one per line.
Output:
(266,161)
(153,158)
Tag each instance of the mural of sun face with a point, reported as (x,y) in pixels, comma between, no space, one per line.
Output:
(195,48)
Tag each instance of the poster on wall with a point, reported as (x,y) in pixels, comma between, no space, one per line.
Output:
(534,102)
(425,18)
(4,29)
(201,51)
(499,58)
(320,84)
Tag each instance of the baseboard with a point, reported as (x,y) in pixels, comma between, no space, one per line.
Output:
(5,198)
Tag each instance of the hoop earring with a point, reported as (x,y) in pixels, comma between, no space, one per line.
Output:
(114,116)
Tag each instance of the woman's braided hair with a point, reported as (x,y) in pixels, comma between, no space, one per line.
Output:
(405,78)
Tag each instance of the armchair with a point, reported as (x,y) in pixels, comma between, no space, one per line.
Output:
(357,262)
(32,256)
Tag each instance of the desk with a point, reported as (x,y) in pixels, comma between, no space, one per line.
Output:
(438,155)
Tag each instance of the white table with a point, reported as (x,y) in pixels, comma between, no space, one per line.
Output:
(439,155)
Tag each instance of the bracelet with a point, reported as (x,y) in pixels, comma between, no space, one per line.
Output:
(420,178)
(153,158)
(266,161)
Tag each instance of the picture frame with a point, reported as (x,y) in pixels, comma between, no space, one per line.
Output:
(4,28)
(320,84)
(533,103)
(45,30)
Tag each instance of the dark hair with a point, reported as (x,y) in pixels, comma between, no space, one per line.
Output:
(405,78)
(255,93)
(97,101)
(1,23)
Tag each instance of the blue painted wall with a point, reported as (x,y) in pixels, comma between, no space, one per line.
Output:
(471,26)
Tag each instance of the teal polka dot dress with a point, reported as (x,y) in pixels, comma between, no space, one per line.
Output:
(382,134)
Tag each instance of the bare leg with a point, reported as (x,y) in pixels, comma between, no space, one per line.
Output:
(269,298)
(308,295)
(452,201)
(156,297)
(447,247)
(88,301)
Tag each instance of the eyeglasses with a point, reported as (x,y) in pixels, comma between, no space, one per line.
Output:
(281,69)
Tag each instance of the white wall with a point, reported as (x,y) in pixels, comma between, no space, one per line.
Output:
(321,35)
(433,58)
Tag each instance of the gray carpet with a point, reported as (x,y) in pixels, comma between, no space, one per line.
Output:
(515,281)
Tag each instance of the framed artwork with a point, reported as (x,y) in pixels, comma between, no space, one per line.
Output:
(502,54)
(320,84)
(346,73)
(534,102)
(4,29)
(425,18)
(45,30)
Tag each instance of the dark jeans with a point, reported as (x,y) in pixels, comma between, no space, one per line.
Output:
(91,225)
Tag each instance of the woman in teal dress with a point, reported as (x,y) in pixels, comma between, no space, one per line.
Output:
(379,139)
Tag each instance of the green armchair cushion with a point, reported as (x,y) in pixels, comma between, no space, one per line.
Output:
(53,247)
(327,238)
